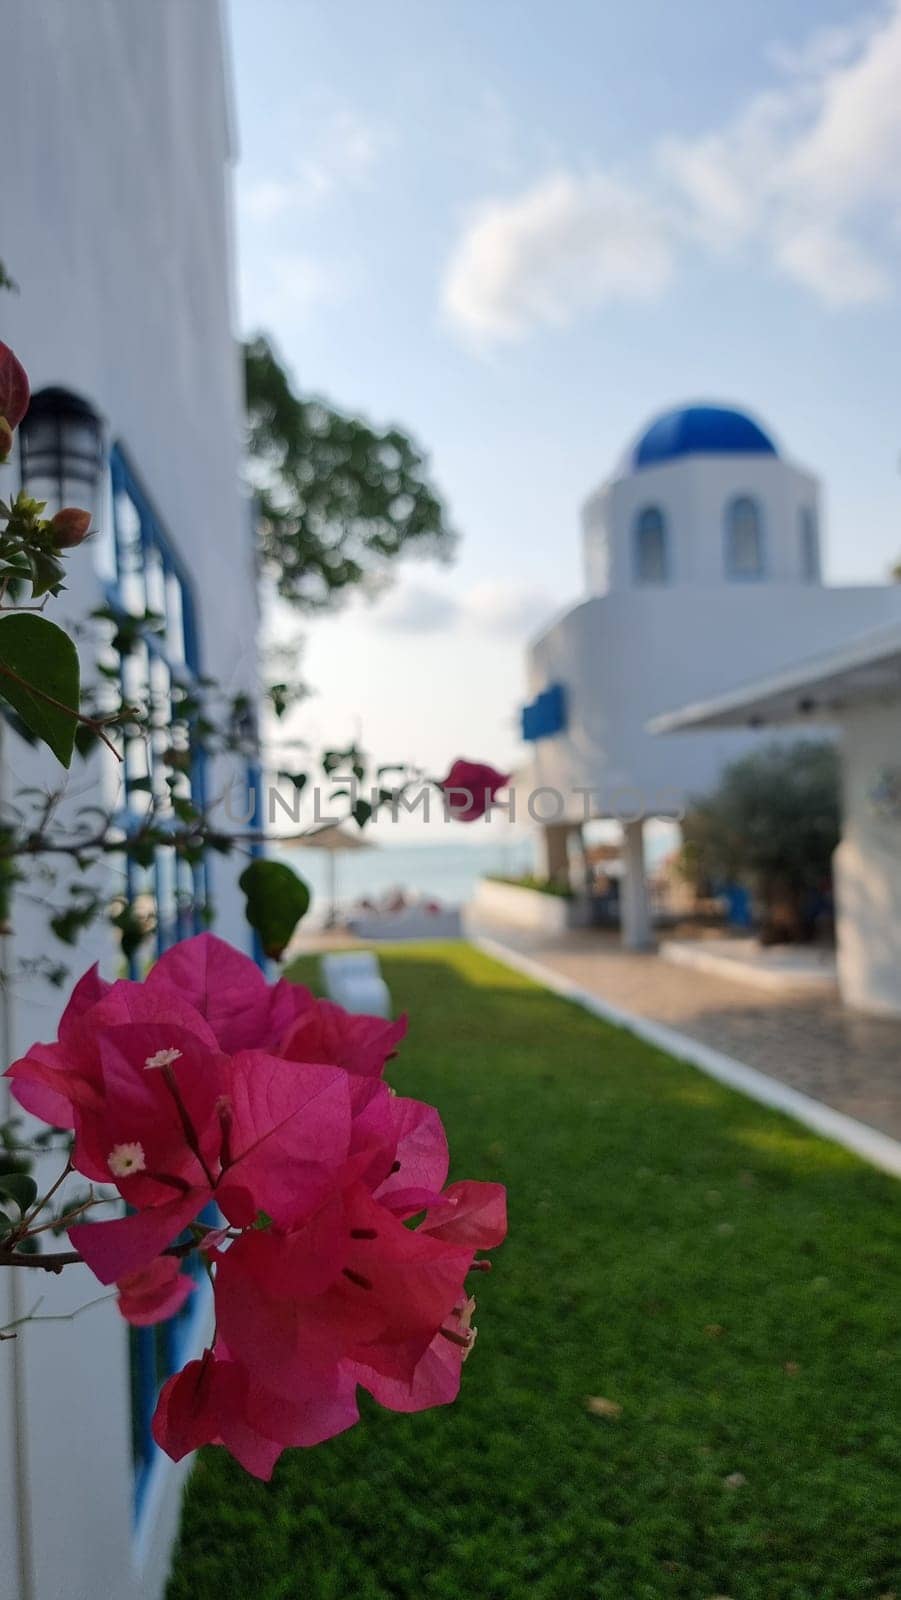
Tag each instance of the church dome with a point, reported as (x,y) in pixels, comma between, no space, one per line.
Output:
(699,430)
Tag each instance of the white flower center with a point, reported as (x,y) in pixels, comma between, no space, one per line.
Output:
(124,1159)
(163,1058)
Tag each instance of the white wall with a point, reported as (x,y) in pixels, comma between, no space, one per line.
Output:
(513,904)
(628,656)
(868,863)
(693,493)
(117,227)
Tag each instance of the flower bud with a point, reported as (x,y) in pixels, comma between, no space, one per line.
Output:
(70,526)
(14,390)
(6,439)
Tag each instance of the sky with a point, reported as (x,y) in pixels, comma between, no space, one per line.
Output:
(520,230)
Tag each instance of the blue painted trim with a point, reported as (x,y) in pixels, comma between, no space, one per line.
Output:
(182,1338)
(158,1351)
(255,787)
(125,480)
(545,715)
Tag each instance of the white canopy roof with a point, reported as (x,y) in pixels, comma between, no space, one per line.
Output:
(865,668)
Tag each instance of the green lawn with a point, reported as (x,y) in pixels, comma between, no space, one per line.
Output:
(728,1280)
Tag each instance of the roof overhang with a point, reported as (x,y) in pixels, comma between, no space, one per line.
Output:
(867,668)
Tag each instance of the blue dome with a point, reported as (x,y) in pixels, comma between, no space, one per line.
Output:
(699,430)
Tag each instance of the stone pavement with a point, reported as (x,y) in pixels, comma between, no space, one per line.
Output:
(847,1060)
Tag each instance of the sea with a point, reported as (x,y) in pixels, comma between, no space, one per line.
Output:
(444,872)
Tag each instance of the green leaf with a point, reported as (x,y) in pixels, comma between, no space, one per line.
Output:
(18,1186)
(39,678)
(298,779)
(46,573)
(276,900)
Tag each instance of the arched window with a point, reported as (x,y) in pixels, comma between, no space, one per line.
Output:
(810,545)
(744,539)
(651,555)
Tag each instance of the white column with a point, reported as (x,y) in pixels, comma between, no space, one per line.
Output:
(635,910)
(553,851)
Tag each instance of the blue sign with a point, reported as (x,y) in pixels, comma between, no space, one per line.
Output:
(546,715)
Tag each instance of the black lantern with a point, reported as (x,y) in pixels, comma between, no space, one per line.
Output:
(61,449)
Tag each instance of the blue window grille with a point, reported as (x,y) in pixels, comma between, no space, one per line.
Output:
(650,553)
(144,576)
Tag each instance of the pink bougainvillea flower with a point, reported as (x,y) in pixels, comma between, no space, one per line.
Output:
(206,1084)
(114,1250)
(33,1076)
(255,1133)
(214,1401)
(420,1158)
(204,1404)
(382,1304)
(288,1135)
(160,1088)
(229,990)
(14,389)
(326,1032)
(155,1293)
(54,1080)
(469,1213)
(470,788)
(436,1376)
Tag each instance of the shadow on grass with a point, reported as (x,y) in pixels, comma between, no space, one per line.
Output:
(727,1279)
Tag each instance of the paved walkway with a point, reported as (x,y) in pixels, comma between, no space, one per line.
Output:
(849,1061)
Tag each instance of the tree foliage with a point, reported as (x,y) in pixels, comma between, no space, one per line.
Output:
(338,500)
(773,824)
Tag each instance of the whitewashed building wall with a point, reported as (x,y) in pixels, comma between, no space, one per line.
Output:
(115,221)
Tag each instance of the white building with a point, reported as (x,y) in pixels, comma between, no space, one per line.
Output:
(855,686)
(702,569)
(117,228)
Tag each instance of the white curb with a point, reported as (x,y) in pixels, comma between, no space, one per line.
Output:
(880,1149)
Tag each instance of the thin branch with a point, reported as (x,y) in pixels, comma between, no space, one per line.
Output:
(77,716)
(52,1316)
(55,1260)
(39,1205)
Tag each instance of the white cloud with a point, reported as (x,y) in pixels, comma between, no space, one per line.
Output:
(810,171)
(289,286)
(833,265)
(341,152)
(415,608)
(514,610)
(804,179)
(492,607)
(566,245)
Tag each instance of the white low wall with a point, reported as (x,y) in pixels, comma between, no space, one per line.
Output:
(779,968)
(520,907)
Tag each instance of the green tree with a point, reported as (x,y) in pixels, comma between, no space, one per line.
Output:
(339,501)
(772,824)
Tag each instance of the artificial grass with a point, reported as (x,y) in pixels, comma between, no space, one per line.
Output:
(727,1279)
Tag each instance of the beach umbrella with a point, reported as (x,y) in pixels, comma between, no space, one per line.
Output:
(333,839)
